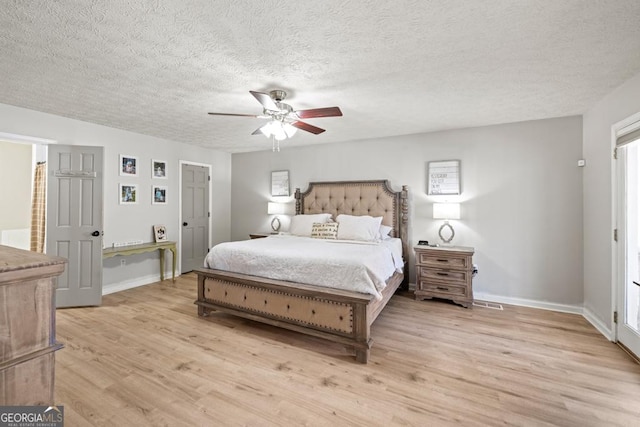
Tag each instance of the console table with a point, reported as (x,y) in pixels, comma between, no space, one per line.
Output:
(142,248)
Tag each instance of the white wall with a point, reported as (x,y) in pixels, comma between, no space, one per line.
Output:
(132,222)
(620,104)
(521,198)
(15,186)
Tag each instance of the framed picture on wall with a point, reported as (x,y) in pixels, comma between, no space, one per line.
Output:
(160,233)
(128,165)
(443,177)
(158,195)
(128,194)
(280,183)
(158,169)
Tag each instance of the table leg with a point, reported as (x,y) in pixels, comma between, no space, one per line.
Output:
(161,264)
(173,250)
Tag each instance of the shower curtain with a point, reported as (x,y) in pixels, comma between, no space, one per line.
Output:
(38,208)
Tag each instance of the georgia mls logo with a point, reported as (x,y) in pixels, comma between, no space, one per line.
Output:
(53,408)
(31,416)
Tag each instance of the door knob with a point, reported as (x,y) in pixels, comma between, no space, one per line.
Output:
(184,224)
(95,233)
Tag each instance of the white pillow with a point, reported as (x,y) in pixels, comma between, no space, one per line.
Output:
(301,224)
(384,231)
(363,227)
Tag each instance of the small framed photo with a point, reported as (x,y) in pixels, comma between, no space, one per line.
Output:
(128,165)
(128,194)
(158,195)
(160,233)
(158,169)
(280,183)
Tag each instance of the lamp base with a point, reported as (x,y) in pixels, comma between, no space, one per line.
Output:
(275,224)
(446,241)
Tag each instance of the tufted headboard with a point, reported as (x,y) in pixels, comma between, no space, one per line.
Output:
(374,198)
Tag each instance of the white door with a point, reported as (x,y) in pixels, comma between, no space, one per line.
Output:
(74,221)
(195,216)
(628,255)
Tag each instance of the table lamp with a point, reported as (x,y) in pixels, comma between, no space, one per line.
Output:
(274,208)
(446,211)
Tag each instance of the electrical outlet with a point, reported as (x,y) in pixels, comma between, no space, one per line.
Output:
(123,262)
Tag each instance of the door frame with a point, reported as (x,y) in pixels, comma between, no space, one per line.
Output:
(617,253)
(209,167)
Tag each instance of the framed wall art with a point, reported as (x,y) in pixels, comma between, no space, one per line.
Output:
(280,183)
(158,195)
(158,169)
(443,177)
(128,165)
(128,194)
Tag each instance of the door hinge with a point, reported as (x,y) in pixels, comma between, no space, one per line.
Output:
(209,178)
(208,214)
(615,153)
(615,317)
(615,234)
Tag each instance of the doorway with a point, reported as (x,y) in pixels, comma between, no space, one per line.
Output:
(627,289)
(195,214)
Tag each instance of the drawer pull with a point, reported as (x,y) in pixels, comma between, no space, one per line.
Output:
(439,273)
(442,260)
(442,288)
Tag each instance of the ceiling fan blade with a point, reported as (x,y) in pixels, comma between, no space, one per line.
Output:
(307,127)
(319,112)
(265,100)
(259,130)
(232,114)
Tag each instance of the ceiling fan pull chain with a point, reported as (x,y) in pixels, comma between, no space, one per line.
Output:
(275,144)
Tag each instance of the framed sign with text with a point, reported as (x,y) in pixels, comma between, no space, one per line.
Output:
(443,177)
(280,183)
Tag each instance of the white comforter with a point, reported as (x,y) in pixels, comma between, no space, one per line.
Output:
(357,266)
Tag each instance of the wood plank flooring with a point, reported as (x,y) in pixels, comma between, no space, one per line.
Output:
(145,358)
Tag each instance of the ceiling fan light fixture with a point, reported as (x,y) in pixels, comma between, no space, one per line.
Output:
(289,129)
(279,132)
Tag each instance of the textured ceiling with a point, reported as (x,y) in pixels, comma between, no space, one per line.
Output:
(394,68)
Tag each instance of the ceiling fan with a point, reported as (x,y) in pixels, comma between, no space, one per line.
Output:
(284,120)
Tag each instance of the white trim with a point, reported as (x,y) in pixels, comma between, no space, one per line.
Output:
(617,129)
(25,139)
(210,167)
(598,324)
(544,305)
(137,282)
(614,225)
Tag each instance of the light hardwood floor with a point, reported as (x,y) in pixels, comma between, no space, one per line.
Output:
(145,358)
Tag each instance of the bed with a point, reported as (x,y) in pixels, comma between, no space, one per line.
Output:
(338,315)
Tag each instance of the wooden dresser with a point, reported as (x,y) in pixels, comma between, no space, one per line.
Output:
(27,326)
(444,272)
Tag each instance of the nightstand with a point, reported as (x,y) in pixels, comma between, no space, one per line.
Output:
(444,272)
(259,235)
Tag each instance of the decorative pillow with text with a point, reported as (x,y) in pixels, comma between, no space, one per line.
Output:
(327,230)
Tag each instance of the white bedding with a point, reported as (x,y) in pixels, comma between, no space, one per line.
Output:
(350,265)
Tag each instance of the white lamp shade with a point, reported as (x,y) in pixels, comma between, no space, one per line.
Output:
(276,208)
(446,211)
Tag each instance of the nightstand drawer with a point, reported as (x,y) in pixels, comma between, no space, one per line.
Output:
(443,289)
(457,277)
(443,261)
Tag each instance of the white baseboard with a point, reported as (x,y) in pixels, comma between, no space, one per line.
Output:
(544,305)
(598,324)
(138,281)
